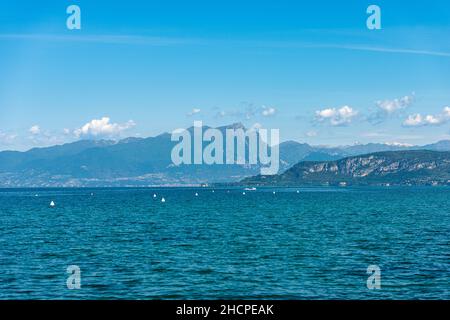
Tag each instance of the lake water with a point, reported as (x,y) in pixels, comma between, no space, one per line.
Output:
(316,244)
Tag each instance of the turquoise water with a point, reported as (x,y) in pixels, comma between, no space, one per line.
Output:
(316,244)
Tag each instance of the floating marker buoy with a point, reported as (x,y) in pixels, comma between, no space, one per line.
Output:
(213,191)
(163,200)
(36,195)
(274,192)
(298,191)
(154,195)
(196,194)
(92,194)
(243,193)
(52,204)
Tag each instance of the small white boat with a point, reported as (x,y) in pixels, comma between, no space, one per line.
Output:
(154,196)
(250,189)
(243,193)
(163,200)
(52,204)
(196,194)
(298,191)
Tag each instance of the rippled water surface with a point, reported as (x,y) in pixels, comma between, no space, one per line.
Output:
(314,244)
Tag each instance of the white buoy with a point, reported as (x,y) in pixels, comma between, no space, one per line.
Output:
(274,192)
(92,194)
(52,204)
(163,200)
(243,193)
(196,194)
(213,191)
(36,195)
(154,195)
(298,191)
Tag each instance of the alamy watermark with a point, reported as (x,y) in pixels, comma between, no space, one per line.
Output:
(374,279)
(73,22)
(374,20)
(242,147)
(74,279)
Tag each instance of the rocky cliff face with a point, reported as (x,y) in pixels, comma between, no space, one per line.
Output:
(393,168)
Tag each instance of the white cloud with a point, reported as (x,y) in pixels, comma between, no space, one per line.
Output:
(35,130)
(446,112)
(247,112)
(337,117)
(417,120)
(391,106)
(103,128)
(7,137)
(413,120)
(193,112)
(268,111)
(311,134)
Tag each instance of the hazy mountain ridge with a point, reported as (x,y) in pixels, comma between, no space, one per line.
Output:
(147,161)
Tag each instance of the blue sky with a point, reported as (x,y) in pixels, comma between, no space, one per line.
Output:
(138,69)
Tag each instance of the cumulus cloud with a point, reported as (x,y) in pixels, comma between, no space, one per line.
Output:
(336,117)
(413,120)
(268,111)
(391,106)
(419,120)
(35,130)
(103,128)
(193,112)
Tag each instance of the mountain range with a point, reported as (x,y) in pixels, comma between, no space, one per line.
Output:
(415,167)
(147,162)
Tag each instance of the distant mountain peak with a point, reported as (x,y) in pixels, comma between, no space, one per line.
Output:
(130,139)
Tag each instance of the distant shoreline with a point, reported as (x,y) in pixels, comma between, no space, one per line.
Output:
(231,187)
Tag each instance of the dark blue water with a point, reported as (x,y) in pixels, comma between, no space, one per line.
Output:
(315,244)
